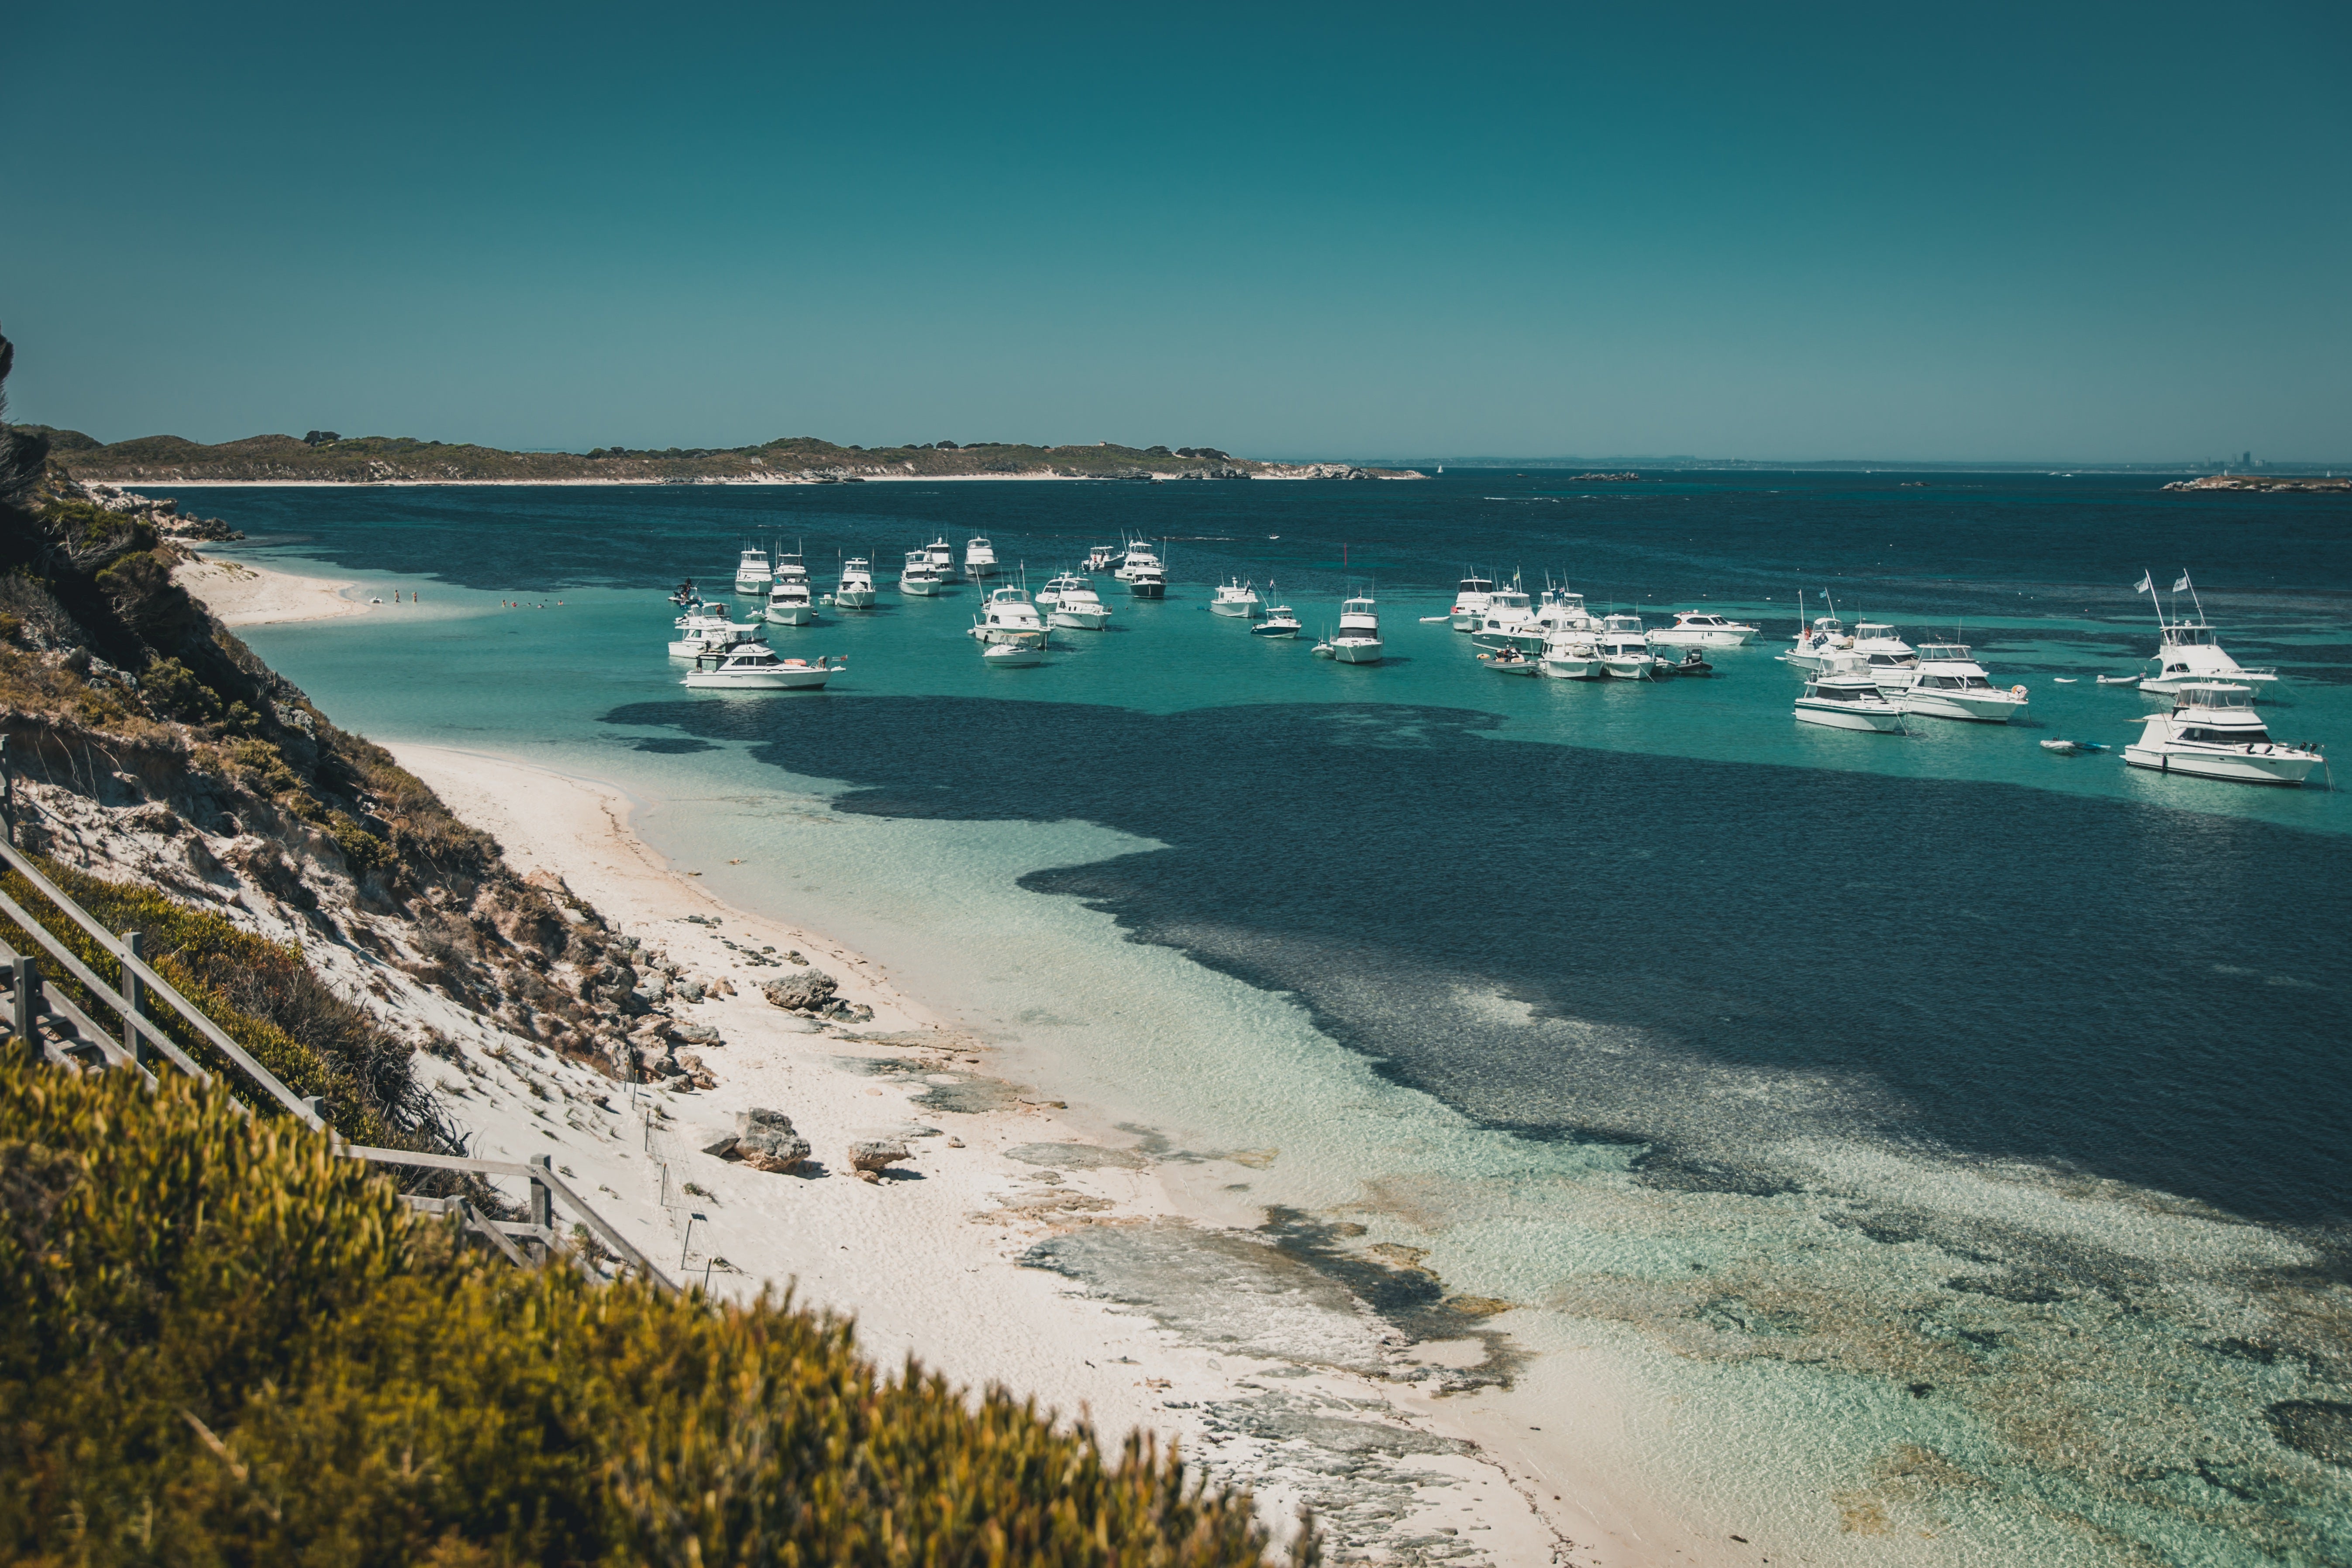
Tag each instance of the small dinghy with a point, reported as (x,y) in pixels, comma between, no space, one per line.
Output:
(1323,650)
(2118,680)
(2071,748)
(1511,661)
(2067,679)
(1693,665)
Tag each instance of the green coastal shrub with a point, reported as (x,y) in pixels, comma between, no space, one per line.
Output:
(228,1346)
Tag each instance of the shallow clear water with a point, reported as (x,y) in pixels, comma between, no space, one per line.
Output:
(1965,1120)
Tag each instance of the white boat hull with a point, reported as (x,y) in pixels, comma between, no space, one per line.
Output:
(793,614)
(754,587)
(1089,620)
(2276,767)
(1011,636)
(1355,652)
(1567,666)
(1628,668)
(922,587)
(806,678)
(1981,707)
(1012,655)
(853,599)
(1233,607)
(1699,636)
(1850,716)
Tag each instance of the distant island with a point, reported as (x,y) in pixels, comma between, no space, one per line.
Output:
(324,456)
(2258,482)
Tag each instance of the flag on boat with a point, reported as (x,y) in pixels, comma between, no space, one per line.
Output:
(2143,585)
(2181,586)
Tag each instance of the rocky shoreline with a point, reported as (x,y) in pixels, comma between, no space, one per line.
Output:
(2263,484)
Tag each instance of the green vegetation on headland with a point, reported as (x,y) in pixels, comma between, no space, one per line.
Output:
(227,1345)
(325,457)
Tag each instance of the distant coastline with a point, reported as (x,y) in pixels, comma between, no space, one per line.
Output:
(324,457)
(2261,482)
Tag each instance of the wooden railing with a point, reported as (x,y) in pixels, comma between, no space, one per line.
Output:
(140,1041)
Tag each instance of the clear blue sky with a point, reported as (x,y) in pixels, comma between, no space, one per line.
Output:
(1968,232)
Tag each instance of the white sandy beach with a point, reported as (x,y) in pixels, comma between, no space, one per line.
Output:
(930,1264)
(243,595)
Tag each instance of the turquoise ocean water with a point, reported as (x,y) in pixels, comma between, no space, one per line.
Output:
(1949,1134)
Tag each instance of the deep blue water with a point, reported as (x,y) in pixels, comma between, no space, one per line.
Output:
(2151,988)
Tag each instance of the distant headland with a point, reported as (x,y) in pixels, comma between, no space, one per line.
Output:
(324,456)
(2258,482)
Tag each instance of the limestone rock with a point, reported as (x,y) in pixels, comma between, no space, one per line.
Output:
(801,993)
(765,1140)
(877,1154)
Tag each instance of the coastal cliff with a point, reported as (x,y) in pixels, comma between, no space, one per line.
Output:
(323,457)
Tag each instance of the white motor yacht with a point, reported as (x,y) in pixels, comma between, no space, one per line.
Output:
(1892,661)
(917,576)
(1070,600)
(1138,555)
(1508,623)
(752,574)
(1012,655)
(1102,557)
(790,602)
(1948,684)
(2190,653)
(1561,611)
(978,559)
(941,556)
(1847,699)
(1145,576)
(1702,629)
(856,590)
(1624,651)
(1010,617)
(2214,732)
(1571,654)
(699,633)
(1235,597)
(750,667)
(1281,620)
(1357,640)
(1470,602)
(1826,636)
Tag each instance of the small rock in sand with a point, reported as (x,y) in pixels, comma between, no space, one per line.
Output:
(764,1140)
(801,992)
(874,1154)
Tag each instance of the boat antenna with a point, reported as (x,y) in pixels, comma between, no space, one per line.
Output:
(2192,593)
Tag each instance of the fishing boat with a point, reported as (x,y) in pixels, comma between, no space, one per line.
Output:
(1692,662)
(1573,655)
(2214,732)
(1892,661)
(1847,699)
(711,629)
(978,559)
(2190,653)
(941,556)
(752,572)
(790,604)
(1281,620)
(1827,634)
(1009,615)
(1948,684)
(1102,557)
(856,589)
(918,577)
(1235,597)
(1012,655)
(1702,629)
(1470,601)
(1137,556)
(1357,640)
(1508,621)
(1512,662)
(1560,610)
(749,667)
(1070,600)
(1624,651)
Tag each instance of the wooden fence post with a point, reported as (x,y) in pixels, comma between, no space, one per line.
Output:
(28,1002)
(543,1204)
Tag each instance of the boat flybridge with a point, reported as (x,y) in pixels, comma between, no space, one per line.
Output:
(941,556)
(917,576)
(708,627)
(1145,576)
(1010,615)
(752,574)
(1826,636)
(856,590)
(1507,623)
(1235,597)
(1891,659)
(1702,629)
(1848,698)
(753,666)
(1070,601)
(2214,732)
(1357,640)
(1560,610)
(1947,684)
(2190,655)
(980,559)
(1470,602)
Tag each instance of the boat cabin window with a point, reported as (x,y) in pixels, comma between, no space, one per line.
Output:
(2189,636)
(1477,585)
(2251,735)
